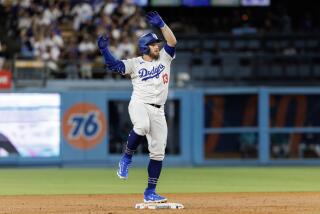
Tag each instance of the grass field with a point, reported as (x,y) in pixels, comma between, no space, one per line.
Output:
(173,180)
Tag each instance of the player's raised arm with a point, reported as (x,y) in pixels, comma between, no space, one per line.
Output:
(112,63)
(155,20)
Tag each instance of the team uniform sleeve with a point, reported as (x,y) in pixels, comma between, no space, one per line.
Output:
(112,63)
(129,65)
(168,53)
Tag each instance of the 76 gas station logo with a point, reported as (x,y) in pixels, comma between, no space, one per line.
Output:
(84,125)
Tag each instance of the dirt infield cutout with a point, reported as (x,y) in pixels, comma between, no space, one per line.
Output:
(222,203)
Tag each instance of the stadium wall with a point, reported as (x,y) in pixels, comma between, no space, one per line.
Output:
(207,126)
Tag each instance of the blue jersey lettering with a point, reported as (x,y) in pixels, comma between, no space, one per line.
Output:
(144,74)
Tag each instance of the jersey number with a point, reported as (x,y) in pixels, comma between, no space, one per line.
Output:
(165,78)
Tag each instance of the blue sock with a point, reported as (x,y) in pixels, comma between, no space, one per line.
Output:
(133,142)
(154,170)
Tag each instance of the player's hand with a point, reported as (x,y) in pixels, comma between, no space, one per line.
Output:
(155,19)
(103,42)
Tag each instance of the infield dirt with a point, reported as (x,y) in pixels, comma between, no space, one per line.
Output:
(222,203)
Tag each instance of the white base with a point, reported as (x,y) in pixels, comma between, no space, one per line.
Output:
(159,206)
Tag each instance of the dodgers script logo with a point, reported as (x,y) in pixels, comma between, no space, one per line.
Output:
(144,74)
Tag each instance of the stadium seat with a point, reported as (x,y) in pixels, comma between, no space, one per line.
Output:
(254,45)
(199,72)
(275,71)
(224,45)
(213,72)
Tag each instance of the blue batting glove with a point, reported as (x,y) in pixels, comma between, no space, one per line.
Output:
(155,19)
(103,42)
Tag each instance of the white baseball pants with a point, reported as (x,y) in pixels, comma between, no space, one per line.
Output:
(150,121)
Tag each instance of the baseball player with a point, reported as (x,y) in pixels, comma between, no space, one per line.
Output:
(150,75)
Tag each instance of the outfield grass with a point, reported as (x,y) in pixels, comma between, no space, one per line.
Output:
(173,180)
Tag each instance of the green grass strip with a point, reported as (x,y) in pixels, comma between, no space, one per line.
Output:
(173,180)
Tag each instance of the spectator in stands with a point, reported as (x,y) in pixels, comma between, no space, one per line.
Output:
(138,24)
(85,66)
(71,49)
(25,20)
(25,3)
(82,12)
(51,57)
(65,15)
(70,66)
(55,39)
(78,18)
(39,18)
(109,7)
(39,46)
(2,54)
(115,32)
(27,50)
(51,14)
(86,45)
(127,8)
(46,50)
(36,25)
(126,48)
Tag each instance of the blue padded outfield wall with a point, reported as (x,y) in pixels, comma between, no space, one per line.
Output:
(94,149)
(212,126)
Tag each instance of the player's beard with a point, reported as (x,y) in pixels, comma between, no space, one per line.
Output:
(154,55)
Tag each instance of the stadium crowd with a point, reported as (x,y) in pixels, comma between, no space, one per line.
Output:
(63,33)
(55,30)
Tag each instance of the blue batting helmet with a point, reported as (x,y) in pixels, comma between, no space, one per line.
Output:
(145,40)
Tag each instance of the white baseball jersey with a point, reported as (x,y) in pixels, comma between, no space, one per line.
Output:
(150,80)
